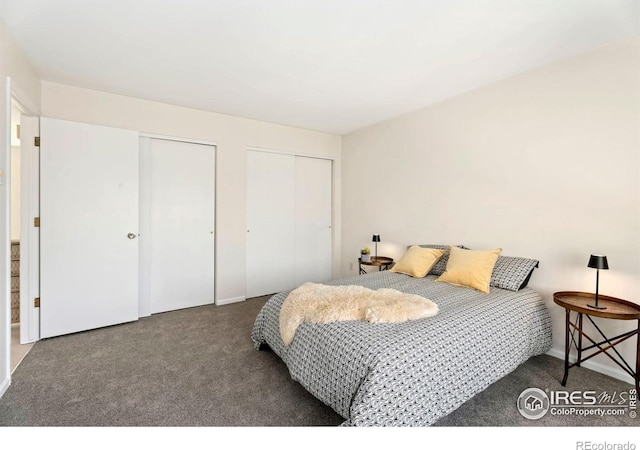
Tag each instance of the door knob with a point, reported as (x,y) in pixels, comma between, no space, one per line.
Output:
(132,235)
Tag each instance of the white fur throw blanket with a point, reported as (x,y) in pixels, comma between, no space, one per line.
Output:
(318,303)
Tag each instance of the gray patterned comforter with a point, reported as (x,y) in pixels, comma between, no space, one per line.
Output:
(412,373)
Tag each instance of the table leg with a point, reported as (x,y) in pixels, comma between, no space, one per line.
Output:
(579,339)
(566,349)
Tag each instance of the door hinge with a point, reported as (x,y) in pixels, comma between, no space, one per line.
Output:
(36,222)
(36,302)
(36,141)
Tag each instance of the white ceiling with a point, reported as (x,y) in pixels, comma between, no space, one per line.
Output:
(328,65)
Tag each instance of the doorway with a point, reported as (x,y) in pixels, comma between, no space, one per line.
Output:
(18,350)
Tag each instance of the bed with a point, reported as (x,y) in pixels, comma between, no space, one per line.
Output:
(415,372)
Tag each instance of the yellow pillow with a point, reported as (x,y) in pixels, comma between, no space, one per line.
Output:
(470,268)
(418,261)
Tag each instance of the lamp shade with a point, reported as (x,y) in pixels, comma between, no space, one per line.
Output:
(376,238)
(598,262)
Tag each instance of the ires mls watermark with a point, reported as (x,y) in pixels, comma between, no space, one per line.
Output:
(534,403)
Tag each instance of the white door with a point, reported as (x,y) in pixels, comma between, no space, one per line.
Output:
(89,226)
(312,220)
(270,223)
(177,224)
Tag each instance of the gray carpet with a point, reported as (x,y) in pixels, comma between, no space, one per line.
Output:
(198,367)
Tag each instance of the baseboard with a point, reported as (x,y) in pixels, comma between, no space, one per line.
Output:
(596,367)
(4,386)
(226,301)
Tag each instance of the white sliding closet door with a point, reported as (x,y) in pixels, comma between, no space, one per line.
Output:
(177,225)
(312,220)
(270,223)
(89,226)
(289,221)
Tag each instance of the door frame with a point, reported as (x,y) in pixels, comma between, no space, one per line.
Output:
(13,93)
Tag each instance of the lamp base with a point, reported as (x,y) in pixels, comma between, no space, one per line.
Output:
(597,307)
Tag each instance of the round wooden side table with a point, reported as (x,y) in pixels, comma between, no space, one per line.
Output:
(614,308)
(382,262)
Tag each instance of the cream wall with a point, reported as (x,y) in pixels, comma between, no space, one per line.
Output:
(26,84)
(545,165)
(231,134)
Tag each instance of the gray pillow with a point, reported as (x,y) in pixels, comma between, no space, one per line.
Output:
(441,265)
(512,273)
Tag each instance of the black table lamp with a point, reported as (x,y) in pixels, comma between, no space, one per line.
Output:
(598,262)
(376,239)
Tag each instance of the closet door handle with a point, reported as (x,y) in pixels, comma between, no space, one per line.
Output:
(132,235)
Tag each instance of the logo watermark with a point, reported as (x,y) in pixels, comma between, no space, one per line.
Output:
(534,403)
(588,445)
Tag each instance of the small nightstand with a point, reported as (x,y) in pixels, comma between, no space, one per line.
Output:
(615,309)
(382,262)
